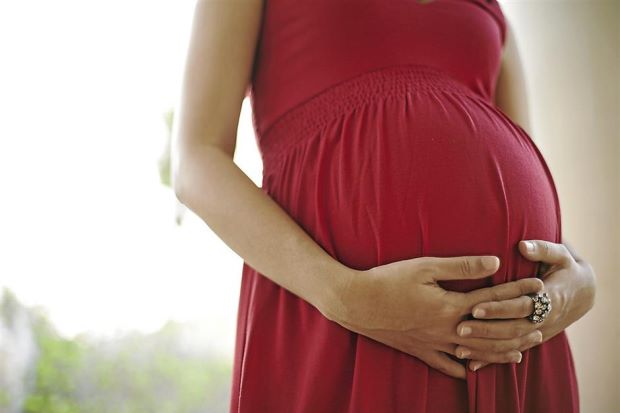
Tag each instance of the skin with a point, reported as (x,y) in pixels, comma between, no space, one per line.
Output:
(399,304)
(570,281)
(511,86)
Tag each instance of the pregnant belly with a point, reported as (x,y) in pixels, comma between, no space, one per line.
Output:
(431,171)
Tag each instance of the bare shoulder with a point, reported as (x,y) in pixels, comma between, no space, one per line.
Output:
(216,72)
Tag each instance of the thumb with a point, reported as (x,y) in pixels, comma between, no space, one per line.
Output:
(458,268)
(545,251)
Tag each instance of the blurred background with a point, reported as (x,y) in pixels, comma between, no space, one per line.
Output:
(115,298)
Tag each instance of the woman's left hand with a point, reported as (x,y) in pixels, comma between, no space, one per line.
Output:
(571,286)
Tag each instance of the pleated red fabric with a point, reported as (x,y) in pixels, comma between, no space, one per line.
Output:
(379,135)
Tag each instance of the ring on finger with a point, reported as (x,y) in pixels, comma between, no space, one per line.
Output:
(542,307)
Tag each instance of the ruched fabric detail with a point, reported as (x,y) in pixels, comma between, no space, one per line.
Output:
(350,94)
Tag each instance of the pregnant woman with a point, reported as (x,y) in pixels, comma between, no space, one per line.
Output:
(399,190)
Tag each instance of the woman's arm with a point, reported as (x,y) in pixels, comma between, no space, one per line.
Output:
(511,88)
(205,178)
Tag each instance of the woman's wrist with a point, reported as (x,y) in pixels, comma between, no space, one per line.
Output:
(586,290)
(332,302)
(570,301)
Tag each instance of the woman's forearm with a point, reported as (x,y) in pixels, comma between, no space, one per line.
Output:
(574,293)
(585,290)
(252,224)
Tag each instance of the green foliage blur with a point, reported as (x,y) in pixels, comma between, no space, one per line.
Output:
(130,373)
(163,372)
(163,163)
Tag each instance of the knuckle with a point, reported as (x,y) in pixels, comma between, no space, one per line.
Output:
(566,255)
(482,330)
(526,307)
(498,346)
(538,284)
(512,289)
(514,343)
(466,267)
(426,270)
(454,304)
(529,285)
(461,309)
(491,309)
(496,294)
(525,327)
(448,310)
(546,247)
(523,286)
(518,331)
(426,264)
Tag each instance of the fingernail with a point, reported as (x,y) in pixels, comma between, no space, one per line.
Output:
(517,358)
(465,331)
(529,246)
(475,365)
(479,312)
(539,337)
(464,353)
(488,263)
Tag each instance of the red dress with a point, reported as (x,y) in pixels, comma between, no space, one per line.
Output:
(379,135)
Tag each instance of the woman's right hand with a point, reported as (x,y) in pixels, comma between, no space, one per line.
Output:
(400,304)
